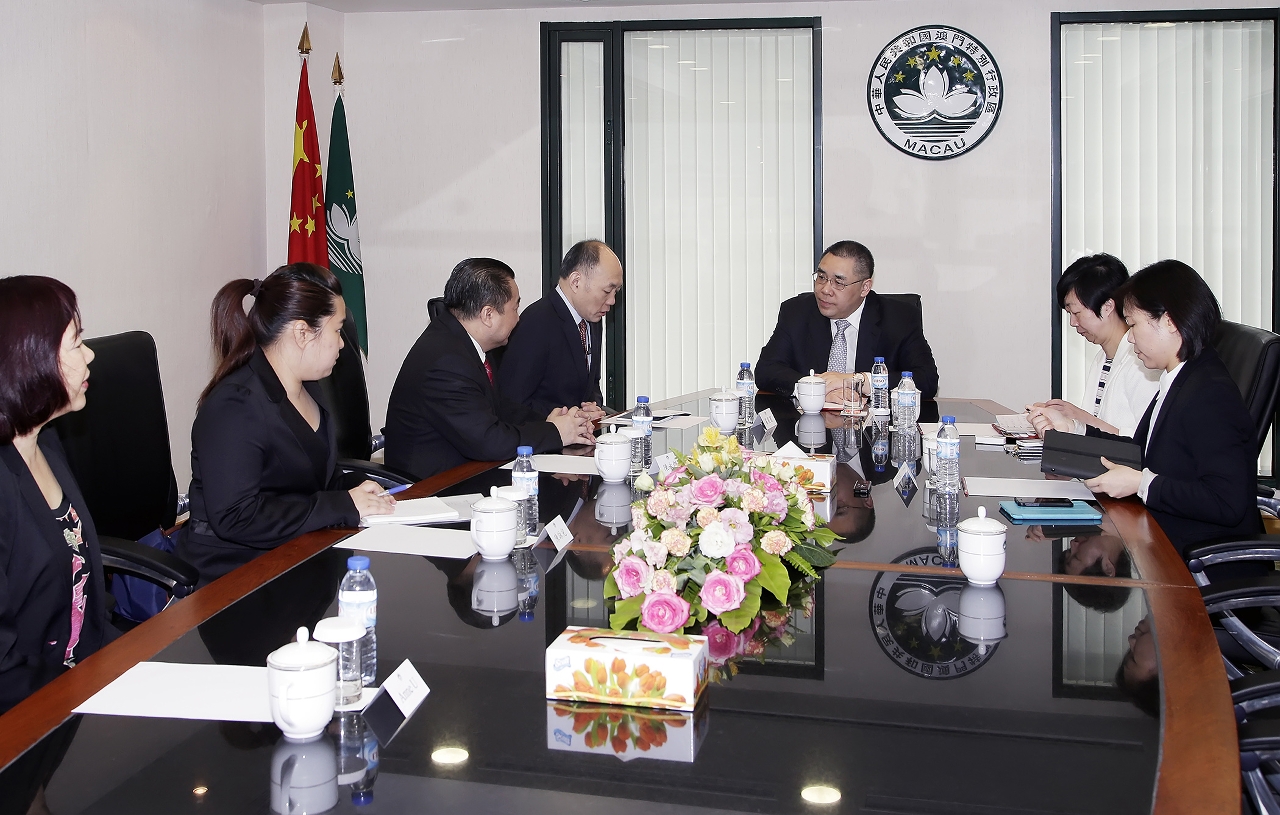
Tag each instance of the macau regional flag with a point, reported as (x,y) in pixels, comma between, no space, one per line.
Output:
(306,208)
(344,235)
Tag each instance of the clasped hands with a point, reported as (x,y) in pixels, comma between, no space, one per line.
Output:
(835,384)
(575,423)
(1119,481)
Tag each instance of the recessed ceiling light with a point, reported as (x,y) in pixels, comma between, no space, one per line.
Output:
(199,792)
(450,755)
(820,794)
(588,602)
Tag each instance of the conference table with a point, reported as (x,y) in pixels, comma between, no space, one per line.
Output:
(875,693)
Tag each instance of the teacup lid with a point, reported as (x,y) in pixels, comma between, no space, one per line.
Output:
(612,437)
(981,525)
(510,493)
(724,396)
(302,655)
(338,629)
(493,503)
(631,432)
(812,378)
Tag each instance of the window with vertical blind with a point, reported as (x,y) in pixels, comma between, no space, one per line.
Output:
(1167,146)
(692,148)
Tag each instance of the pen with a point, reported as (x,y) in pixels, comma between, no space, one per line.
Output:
(394,490)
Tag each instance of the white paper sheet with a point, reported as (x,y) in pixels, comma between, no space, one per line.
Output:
(1015,423)
(415,511)
(167,690)
(424,541)
(1026,488)
(982,432)
(674,421)
(557,463)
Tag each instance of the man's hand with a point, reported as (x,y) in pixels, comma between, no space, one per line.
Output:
(1047,418)
(835,383)
(593,411)
(1118,481)
(573,424)
(1065,408)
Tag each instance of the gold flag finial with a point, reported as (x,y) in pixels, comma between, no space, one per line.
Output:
(337,70)
(304,44)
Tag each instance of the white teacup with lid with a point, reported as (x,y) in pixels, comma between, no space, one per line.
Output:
(724,411)
(302,680)
(811,392)
(981,548)
(304,777)
(493,527)
(613,456)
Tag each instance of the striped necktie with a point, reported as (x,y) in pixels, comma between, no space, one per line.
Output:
(838,361)
(586,349)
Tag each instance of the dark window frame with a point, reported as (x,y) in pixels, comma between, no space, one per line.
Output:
(612,34)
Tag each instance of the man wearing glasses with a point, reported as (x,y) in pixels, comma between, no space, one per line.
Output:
(840,328)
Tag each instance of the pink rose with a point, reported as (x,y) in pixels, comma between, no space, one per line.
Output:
(655,553)
(674,475)
(765,481)
(663,580)
(632,575)
(775,503)
(753,500)
(708,491)
(676,541)
(707,516)
(739,523)
(776,542)
(621,549)
(678,515)
(664,612)
(721,592)
(722,644)
(742,563)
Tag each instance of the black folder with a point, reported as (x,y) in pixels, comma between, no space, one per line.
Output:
(1078,456)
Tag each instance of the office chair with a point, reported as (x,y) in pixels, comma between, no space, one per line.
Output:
(118,450)
(912,300)
(348,399)
(1252,356)
(1256,699)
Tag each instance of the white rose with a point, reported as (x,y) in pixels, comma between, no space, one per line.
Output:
(716,541)
(706,463)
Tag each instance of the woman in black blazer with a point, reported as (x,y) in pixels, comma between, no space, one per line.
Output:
(1199,456)
(263,451)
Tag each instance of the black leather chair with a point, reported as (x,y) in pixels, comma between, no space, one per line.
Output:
(909,299)
(348,398)
(1252,355)
(118,449)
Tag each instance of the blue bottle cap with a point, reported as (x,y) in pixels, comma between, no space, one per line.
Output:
(879,359)
(948,419)
(358,563)
(524,450)
(526,616)
(746,365)
(644,400)
(907,375)
(361,797)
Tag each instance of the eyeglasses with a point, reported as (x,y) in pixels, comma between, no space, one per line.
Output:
(821,278)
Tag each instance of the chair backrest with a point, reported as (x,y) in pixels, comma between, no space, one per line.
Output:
(912,300)
(348,397)
(118,445)
(1252,356)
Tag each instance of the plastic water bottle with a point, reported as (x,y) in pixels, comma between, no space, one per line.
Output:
(358,601)
(746,387)
(362,790)
(908,403)
(879,445)
(527,582)
(946,508)
(642,419)
(880,388)
(947,478)
(525,476)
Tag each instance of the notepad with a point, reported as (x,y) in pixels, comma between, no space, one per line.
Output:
(982,432)
(424,541)
(169,690)
(414,511)
(558,463)
(1026,488)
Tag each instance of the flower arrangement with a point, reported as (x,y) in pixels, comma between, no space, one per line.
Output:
(719,538)
(620,728)
(727,649)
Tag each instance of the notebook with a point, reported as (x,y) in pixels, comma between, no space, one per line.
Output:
(1079,456)
(1078,512)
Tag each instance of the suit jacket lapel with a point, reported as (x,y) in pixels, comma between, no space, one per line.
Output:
(596,330)
(869,334)
(1169,398)
(40,510)
(818,342)
(569,327)
(308,439)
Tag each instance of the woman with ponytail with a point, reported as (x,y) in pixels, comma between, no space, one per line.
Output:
(263,454)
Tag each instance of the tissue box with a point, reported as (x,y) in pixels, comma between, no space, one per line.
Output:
(633,668)
(667,735)
(823,466)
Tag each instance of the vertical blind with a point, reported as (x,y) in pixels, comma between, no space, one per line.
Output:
(719,198)
(1167,152)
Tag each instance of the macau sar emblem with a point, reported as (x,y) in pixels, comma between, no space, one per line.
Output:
(921,624)
(935,92)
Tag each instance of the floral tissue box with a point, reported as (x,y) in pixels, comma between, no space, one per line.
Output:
(666,735)
(636,668)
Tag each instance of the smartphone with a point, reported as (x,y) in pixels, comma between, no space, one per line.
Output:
(1062,503)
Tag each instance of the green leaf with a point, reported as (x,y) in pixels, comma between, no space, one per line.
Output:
(611,586)
(741,617)
(625,611)
(773,575)
(816,555)
(800,564)
(690,593)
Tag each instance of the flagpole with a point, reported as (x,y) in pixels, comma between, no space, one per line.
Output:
(304,42)
(337,76)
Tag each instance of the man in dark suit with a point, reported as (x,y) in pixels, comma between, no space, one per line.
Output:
(842,326)
(553,358)
(445,407)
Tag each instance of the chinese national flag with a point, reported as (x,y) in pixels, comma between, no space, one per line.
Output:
(307,239)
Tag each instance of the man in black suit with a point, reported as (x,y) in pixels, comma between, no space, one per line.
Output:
(445,407)
(553,358)
(842,326)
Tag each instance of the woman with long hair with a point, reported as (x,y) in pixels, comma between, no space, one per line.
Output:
(1199,455)
(263,450)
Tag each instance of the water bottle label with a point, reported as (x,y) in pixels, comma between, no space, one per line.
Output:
(880,381)
(645,423)
(948,449)
(360,606)
(529,481)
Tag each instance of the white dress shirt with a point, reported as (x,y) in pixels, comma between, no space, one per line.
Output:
(850,338)
(1166,381)
(479,350)
(1129,388)
(577,321)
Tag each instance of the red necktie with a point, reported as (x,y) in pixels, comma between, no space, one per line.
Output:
(582,334)
(489,370)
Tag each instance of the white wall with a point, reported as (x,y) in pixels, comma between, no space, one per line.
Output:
(444,122)
(131,133)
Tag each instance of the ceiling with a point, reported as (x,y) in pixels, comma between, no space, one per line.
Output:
(447,5)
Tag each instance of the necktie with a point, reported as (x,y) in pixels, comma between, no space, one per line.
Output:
(838,361)
(840,441)
(489,370)
(582,335)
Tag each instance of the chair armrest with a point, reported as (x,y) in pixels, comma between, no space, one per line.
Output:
(379,473)
(166,570)
(379,441)
(1261,735)
(1246,593)
(1260,547)
(1254,692)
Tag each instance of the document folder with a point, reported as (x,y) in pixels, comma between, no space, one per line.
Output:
(1078,456)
